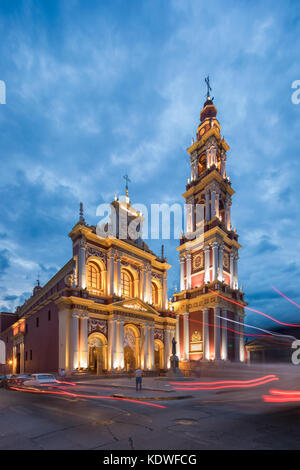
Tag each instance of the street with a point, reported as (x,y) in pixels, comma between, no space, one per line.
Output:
(210,419)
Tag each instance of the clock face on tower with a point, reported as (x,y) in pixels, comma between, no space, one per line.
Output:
(198,262)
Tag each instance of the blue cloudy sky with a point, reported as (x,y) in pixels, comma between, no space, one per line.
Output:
(97,89)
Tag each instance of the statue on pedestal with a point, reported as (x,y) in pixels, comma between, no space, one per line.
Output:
(174,371)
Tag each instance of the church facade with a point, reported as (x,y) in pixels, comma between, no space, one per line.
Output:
(106,310)
(210,305)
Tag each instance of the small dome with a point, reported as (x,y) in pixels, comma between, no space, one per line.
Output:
(209,110)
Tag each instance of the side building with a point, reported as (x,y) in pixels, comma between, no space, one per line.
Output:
(210,304)
(105,311)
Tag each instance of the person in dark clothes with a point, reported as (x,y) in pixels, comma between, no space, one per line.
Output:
(138,379)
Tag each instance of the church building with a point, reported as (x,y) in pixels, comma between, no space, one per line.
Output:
(106,310)
(210,305)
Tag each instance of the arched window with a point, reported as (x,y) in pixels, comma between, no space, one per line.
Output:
(126,284)
(154,293)
(94,284)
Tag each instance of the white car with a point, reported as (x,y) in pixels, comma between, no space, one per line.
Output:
(40,379)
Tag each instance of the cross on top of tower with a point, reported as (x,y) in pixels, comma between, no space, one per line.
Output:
(126,178)
(208,88)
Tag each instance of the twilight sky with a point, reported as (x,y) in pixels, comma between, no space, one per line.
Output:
(97,89)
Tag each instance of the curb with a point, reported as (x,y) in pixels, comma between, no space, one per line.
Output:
(181,397)
(129,386)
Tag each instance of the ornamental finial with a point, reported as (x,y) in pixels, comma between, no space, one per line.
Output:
(126,178)
(81,217)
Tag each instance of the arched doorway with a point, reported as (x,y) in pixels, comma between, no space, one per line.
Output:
(158,354)
(131,347)
(97,343)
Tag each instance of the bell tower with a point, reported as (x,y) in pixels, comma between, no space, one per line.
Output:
(210,327)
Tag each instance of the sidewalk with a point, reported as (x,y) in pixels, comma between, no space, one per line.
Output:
(125,387)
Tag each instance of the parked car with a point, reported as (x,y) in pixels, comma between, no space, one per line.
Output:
(40,379)
(16,380)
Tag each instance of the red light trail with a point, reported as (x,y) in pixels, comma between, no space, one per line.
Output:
(285,297)
(267,337)
(77,395)
(282,396)
(252,310)
(241,385)
(226,381)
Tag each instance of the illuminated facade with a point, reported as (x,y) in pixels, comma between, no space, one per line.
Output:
(106,310)
(208,254)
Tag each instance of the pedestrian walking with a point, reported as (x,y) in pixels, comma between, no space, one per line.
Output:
(138,379)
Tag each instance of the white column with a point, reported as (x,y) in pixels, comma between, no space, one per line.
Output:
(64,359)
(235,264)
(111,273)
(142,296)
(231,270)
(119,291)
(165,292)
(237,338)
(206,264)
(205,334)
(21,358)
(81,264)
(217,333)
(119,357)
(222,169)
(146,348)
(242,347)
(186,337)
(145,284)
(218,205)
(177,336)
(167,348)
(227,214)
(84,342)
(220,276)
(208,158)
(215,260)
(182,286)
(188,271)
(207,206)
(193,216)
(213,203)
(224,336)
(14,367)
(110,341)
(213,156)
(149,285)
(75,342)
(151,349)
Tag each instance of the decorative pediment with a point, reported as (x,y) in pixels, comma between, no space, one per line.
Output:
(135,304)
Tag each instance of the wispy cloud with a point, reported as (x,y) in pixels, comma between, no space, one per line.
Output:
(96,90)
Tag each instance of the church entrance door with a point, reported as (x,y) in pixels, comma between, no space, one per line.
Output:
(131,347)
(97,353)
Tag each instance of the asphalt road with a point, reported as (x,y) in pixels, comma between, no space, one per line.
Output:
(216,419)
